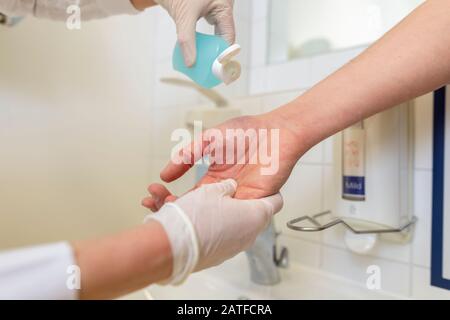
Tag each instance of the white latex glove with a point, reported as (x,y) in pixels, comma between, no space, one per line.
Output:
(186,13)
(207,226)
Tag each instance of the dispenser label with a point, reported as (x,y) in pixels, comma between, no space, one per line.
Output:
(353,162)
(354,186)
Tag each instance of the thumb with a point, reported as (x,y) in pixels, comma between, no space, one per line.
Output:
(259,212)
(272,205)
(186,31)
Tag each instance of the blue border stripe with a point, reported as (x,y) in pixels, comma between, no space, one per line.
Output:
(437,234)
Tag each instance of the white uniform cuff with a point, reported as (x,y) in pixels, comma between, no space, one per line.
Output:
(115,7)
(40,272)
(183,241)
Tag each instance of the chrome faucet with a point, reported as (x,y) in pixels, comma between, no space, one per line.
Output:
(264,260)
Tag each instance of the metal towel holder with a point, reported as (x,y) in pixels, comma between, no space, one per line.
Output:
(293,224)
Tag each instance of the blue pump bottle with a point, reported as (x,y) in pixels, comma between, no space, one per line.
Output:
(214,64)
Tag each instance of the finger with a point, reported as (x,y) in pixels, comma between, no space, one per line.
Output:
(158,194)
(184,160)
(174,171)
(158,191)
(186,30)
(149,203)
(225,27)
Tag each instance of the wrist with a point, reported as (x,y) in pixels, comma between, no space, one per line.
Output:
(143,4)
(182,238)
(293,138)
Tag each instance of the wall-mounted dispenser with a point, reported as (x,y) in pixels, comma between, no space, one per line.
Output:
(373,181)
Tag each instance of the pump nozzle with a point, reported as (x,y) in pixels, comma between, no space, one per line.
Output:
(226,69)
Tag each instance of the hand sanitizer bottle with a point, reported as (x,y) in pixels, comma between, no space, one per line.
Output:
(353,163)
(214,64)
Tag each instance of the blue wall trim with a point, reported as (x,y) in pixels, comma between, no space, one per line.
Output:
(437,233)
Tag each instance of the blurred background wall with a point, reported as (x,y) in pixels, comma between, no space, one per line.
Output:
(75,133)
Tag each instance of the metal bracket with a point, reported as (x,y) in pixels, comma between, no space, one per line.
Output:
(281,259)
(317,226)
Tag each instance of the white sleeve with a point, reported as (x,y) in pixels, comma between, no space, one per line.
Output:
(41,272)
(57,9)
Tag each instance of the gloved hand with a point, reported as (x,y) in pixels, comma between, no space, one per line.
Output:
(186,13)
(207,226)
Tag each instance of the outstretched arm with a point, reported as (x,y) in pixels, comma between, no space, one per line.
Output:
(117,265)
(410,60)
(199,230)
(202,229)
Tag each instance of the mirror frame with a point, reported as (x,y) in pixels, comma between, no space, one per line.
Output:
(438,210)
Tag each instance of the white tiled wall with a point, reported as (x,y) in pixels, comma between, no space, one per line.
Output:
(405,268)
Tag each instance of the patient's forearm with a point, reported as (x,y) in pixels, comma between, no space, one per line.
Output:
(120,264)
(410,60)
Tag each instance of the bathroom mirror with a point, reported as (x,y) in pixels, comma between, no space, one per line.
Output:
(440,251)
(304,28)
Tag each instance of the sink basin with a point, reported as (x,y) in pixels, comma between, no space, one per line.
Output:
(231,281)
